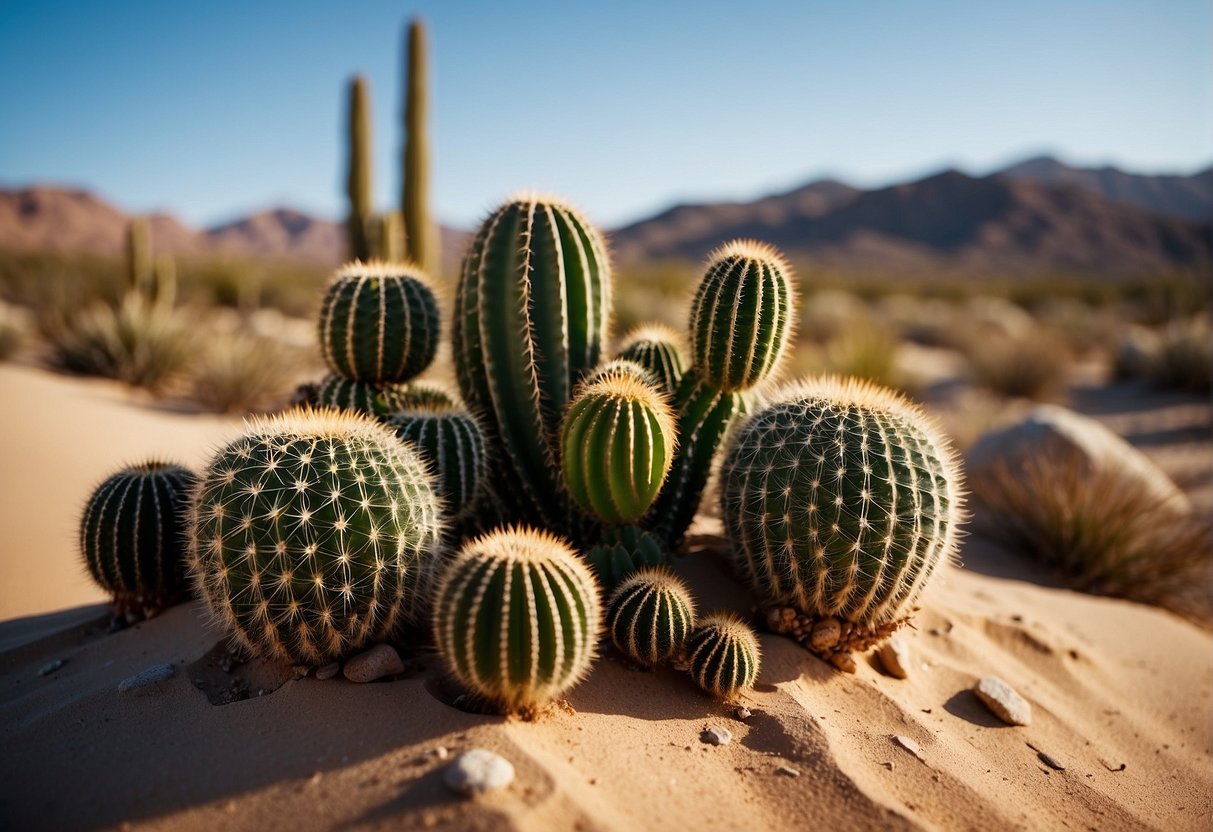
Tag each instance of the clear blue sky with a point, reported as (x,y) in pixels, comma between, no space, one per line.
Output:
(215,109)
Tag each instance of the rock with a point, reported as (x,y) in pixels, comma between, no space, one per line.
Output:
(478,771)
(742,713)
(328,671)
(826,633)
(51,666)
(144,681)
(843,661)
(1003,701)
(908,744)
(787,771)
(715,735)
(894,656)
(381,660)
(1135,352)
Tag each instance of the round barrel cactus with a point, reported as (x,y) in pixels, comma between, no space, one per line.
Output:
(742,315)
(516,617)
(840,500)
(309,535)
(622,551)
(657,349)
(132,536)
(379,322)
(360,396)
(650,615)
(616,447)
(449,440)
(420,395)
(722,655)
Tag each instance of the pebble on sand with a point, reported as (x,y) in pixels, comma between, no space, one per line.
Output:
(715,735)
(909,745)
(894,657)
(144,680)
(381,660)
(1003,701)
(328,671)
(50,667)
(478,771)
(787,771)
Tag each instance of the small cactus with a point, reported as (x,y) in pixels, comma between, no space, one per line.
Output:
(309,535)
(619,366)
(651,614)
(450,442)
(657,349)
(132,537)
(723,655)
(616,447)
(622,551)
(426,394)
(360,396)
(516,617)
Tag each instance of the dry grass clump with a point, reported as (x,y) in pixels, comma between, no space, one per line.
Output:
(1183,359)
(862,352)
(1033,366)
(242,372)
(1102,529)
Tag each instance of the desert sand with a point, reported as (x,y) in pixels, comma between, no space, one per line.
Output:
(1121,695)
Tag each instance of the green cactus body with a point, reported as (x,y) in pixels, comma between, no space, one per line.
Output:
(360,396)
(616,447)
(841,500)
(530,319)
(422,395)
(723,655)
(358,177)
(132,536)
(309,535)
(622,551)
(449,440)
(656,348)
(516,617)
(379,322)
(705,414)
(742,315)
(422,237)
(651,614)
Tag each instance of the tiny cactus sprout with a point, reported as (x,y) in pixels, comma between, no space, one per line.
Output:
(132,537)
(723,656)
(651,614)
(310,534)
(840,500)
(379,322)
(658,349)
(449,440)
(622,551)
(617,444)
(517,618)
(360,396)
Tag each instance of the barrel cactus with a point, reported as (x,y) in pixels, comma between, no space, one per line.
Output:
(620,366)
(658,349)
(622,551)
(449,441)
(380,400)
(841,499)
(132,537)
(650,616)
(516,617)
(424,394)
(722,655)
(309,535)
(379,322)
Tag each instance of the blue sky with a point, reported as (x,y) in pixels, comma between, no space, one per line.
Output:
(212,110)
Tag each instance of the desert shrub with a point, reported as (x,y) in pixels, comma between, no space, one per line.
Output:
(240,372)
(863,351)
(1032,366)
(1184,356)
(827,314)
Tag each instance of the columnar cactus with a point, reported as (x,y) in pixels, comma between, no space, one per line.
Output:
(723,655)
(390,242)
(309,535)
(450,442)
(840,500)
(656,348)
(622,551)
(379,322)
(360,396)
(530,318)
(358,175)
(132,537)
(139,256)
(651,614)
(516,617)
(422,237)
(616,447)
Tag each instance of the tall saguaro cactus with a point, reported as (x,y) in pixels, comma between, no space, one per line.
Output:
(358,182)
(421,235)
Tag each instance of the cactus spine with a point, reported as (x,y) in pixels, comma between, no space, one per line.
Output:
(655,348)
(360,396)
(723,655)
(516,617)
(449,440)
(530,319)
(622,551)
(422,234)
(358,178)
(132,537)
(310,534)
(651,614)
(840,500)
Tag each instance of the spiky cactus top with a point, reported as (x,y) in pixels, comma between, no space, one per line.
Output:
(658,349)
(516,617)
(379,322)
(650,615)
(723,655)
(309,534)
(840,500)
(132,536)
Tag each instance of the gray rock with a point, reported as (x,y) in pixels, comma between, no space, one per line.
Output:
(894,656)
(328,671)
(145,681)
(381,660)
(715,735)
(478,771)
(1003,701)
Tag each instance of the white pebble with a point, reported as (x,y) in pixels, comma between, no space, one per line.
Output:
(715,735)
(909,745)
(787,771)
(894,657)
(328,671)
(140,682)
(381,660)
(1003,701)
(478,771)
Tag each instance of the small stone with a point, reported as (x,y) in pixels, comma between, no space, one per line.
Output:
(894,657)
(825,635)
(439,752)
(909,745)
(715,735)
(328,671)
(843,661)
(478,771)
(888,764)
(299,671)
(381,660)
(787,771)
(1050,761)
(742,713)
(50,667)
(1003,701)
(142,681)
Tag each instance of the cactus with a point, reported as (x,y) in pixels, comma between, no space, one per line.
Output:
(426,394)
(530,319)
(619,366)
(358,181)
(616,447)
(656,348)
(741,318)
(131,537)
(360,396)
(840,501)
(164,281)
(449,440)
(651,614)
(622,551)
(379,322)
(390,244)
(309,535)
(422,234)
(723,655)
(139,258)
(516,617)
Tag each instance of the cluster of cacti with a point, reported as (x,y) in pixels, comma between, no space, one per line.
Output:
(840,501)
(450,440)
(132,537)
(309,535)
(655,348)
(650,616)
(722,655)
(516,617)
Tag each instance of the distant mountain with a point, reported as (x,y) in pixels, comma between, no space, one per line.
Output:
(280,233)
